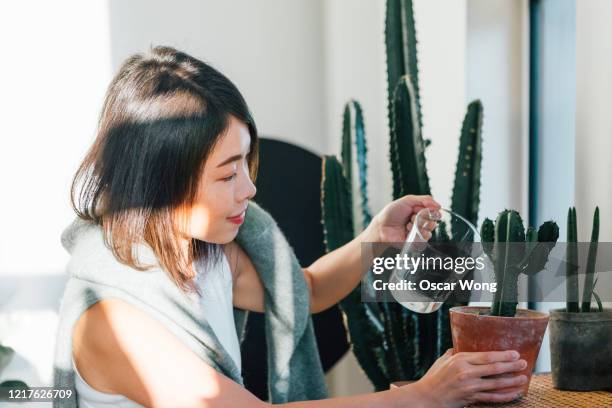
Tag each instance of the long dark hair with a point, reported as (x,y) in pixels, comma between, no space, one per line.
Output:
(162,115)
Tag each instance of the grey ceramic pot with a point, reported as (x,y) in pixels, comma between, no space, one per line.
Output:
(581,350)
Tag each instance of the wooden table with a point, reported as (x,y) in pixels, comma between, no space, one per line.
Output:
(543,395)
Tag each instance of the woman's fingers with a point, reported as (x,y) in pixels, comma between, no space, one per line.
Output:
(489,384)
(428,225)
(488,357)
(484,370)
(421,201)
(449,353)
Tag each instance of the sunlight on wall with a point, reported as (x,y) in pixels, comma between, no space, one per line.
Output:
(56,66)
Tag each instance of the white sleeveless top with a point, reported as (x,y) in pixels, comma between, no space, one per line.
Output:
(216,288)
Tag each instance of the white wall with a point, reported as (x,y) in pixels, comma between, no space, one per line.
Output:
(593,120)
(594,123)
(497,73)
(62,58)
(271,49)
(55,67)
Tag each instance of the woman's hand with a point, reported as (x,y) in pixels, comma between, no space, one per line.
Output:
(393,222)
(455,380)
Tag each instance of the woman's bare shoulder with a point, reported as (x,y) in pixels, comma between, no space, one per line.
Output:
(96,337)
(120,349)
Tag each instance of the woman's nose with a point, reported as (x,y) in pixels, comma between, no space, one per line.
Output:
(249,190)
(252,189)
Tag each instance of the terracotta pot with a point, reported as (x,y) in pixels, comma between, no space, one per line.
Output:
(581,350)
(478,332)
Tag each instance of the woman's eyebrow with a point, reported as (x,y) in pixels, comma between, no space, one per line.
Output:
(230,159)
(233,158)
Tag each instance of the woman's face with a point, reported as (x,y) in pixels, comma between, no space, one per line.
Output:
(225,189)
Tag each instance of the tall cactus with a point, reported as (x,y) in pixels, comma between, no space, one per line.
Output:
(514,252)
(389,341)
(365,330)
(408,161)
(466,190)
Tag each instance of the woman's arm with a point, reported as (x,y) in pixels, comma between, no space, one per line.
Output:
(334,275)
(329,279)
(120,349)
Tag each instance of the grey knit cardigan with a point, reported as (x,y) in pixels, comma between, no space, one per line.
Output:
(294,367)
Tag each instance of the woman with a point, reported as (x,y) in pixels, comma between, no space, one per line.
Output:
(172,167)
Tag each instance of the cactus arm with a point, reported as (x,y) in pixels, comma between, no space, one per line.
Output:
(590,272)
(353,134)
(487,235)
(508,230)
(539,247)
(407,147)
(466,190)
(401,47)
(410,177)
(370,317)
(366,336)
(531,237)
(336,205)
(572,263)
(346,150)
(502,227)
(366,333)
(360,142)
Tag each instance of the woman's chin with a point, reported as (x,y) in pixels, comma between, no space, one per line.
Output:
(229,236)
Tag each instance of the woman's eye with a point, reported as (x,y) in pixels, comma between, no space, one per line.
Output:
(230,178)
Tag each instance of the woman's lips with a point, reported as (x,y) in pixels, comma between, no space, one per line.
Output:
(239,219)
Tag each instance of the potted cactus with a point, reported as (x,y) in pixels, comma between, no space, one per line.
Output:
(580,335)
(513,251)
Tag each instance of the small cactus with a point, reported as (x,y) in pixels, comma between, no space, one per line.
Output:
(514,252)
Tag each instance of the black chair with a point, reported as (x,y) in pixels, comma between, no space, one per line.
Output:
(288,187)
